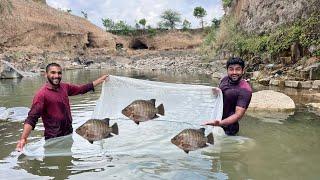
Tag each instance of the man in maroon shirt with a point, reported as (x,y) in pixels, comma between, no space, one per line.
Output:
(236,97)
(51,103)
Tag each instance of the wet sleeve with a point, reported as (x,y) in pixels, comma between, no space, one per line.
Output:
(244,98)
(75,90)
(36,110)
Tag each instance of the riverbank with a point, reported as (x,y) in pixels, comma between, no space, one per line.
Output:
(183,61)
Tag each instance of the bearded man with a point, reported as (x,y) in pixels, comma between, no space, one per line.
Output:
(237,95)
(51,103)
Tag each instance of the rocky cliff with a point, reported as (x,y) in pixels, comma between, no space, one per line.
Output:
(260,16)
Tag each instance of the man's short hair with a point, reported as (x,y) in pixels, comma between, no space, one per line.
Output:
(235,60)
(52,64)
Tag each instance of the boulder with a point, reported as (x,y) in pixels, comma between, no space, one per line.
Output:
(7,71)
(306,84)
(276,82)
(264,81)
(312,72)
(293,84)
(268,100)
(316,84)
(315,72)
(311,61)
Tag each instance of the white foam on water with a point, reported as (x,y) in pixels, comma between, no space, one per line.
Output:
(14,114)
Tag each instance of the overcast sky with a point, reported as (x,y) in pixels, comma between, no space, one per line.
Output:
(131,11)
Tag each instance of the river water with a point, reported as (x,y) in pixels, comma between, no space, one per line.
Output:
(269,145)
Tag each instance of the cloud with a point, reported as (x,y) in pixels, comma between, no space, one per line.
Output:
(133,10)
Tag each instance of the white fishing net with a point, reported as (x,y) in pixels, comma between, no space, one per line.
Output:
(182,102)
(186,106)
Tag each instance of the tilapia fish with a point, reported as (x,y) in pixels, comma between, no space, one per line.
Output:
(192,139)
(143,110)
(95,129)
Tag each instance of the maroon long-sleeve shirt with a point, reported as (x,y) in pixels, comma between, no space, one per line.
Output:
(52,105)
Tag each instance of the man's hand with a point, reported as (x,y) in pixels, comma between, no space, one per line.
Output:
(101,79)
(21,144)
(212,123)
(216,91)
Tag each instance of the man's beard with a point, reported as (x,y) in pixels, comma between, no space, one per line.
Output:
(55,81)
(235,81)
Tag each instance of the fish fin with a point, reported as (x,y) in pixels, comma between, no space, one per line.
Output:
(115,129)
(160,109)
(136,117)
(185,146)
(106,120)
(155,116)
(108,136)
(186,151)
(210,138)
(153,101)
(205,145)
(202,130)
(90,141)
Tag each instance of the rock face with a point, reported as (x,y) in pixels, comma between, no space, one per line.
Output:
(263,16)
(29,23)
(268,100)
(163,40)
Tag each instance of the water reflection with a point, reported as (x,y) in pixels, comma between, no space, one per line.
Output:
(57,166)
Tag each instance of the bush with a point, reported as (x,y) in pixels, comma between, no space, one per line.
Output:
(226,3)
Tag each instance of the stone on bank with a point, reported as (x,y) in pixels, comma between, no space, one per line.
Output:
(268,100)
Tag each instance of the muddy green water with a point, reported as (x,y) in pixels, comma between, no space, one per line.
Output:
(269,146)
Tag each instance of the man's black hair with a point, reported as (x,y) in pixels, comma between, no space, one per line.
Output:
(235,60)
(52,64)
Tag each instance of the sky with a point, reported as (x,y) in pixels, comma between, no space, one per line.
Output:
(131,11)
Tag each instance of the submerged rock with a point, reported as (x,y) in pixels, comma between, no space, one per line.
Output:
(314,106)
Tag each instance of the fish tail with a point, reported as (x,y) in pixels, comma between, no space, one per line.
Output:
(210,138)
(160,109)
(115,129)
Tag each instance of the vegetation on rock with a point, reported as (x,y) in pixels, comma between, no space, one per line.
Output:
(230,37)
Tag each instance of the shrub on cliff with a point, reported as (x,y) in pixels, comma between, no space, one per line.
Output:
(231,38)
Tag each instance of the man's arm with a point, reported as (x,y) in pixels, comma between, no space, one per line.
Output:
(32,119)
(75,90)
(100,80)
(240,111)
(27,128)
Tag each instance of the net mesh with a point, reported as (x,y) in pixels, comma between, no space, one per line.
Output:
(186,106)
(182,102)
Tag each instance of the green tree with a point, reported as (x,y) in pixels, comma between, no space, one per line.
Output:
(143,22)
(215,23)
(122,28)
(108,24)
(186,24)
(170,18)
(199,12)
(85,15)
(69,10)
